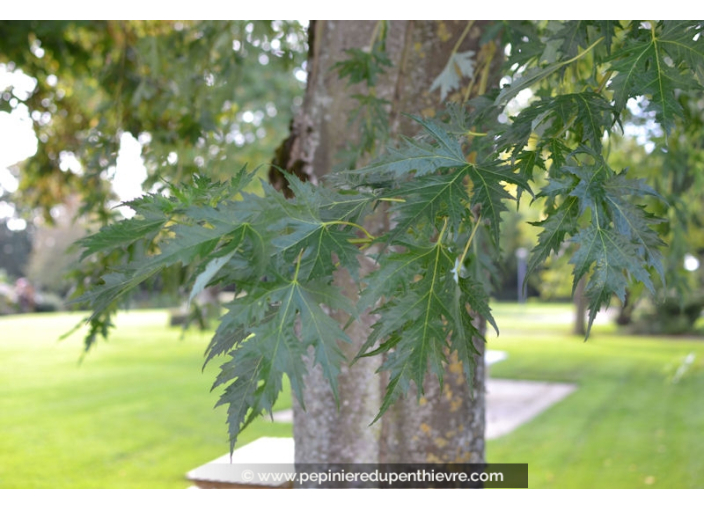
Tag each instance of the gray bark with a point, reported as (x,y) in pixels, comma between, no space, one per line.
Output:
(580,308)
(446,425)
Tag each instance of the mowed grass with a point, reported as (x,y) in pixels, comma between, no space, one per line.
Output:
(632,423)
(136,413)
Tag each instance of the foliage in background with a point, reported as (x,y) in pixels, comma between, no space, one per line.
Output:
(197,94)
(674,164)
(200,96)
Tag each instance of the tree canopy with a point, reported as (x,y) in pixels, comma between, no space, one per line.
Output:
(197,94)
(545,136)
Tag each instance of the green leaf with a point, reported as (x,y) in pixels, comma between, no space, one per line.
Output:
(239,396)
(363,66)
(115,285)
(632,221)
(395,273)
(608,31)
(589,189)
(234,325)
(259,330)
(526,162)
(121,234)
(646,66)
(415,156)
(474,294)
(526,42)
(560,224)
(423,318)
(574,35)
(594,117)
(489,192)
(588,115)
(210,271)
(531,77)
(304,233)
(201,231)
(465,332)
(418,312)
(683,43)
(557,150)
(620,184)
(316,328)
(427,198)
(614,257)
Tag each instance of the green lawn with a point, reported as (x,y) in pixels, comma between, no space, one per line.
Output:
(627,426)
(138,413)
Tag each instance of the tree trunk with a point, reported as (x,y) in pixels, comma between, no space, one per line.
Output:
(445,425)
(580,308)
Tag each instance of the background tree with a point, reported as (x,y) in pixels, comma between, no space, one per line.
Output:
(16,246)
(195,93)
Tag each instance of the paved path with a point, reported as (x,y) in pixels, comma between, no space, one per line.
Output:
(509,403)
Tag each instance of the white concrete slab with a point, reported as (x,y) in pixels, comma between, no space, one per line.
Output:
(240,470)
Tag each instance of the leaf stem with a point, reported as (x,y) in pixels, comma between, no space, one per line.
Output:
(567,126)
(462,36)
(442,232)
(604,81)
(487,69)
(298,265)
(489,49)
(469,241)
(349,223)
(577,57)
(375,32)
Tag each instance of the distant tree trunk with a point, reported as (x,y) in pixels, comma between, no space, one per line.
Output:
(625,314)
(580,308)
(447,425)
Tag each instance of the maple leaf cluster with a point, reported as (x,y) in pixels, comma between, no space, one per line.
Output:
(445,191)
